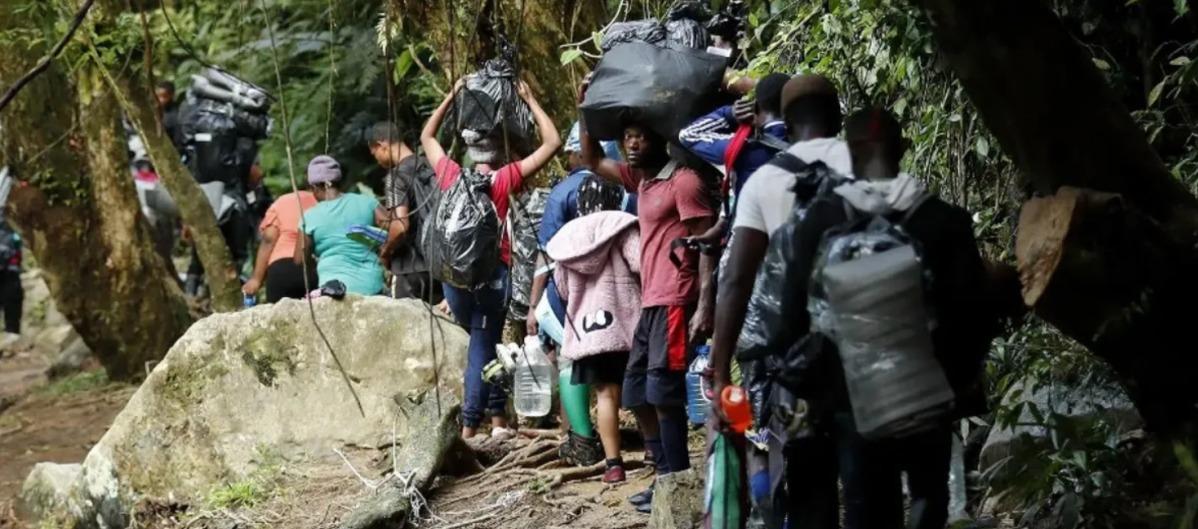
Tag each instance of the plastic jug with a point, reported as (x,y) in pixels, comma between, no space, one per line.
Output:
(735,402)
(534,378)
(698,402)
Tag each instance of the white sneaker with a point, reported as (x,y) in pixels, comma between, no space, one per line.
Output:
(500,433)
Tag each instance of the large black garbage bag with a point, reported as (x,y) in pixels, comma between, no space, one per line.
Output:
(462,242)
(490,105)
(648,31)
(664,87)
(685,25)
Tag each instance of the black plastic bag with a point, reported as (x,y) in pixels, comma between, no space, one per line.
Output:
(525,221)
(664,87)
(462,242)
(648,31)
(685,25)
(490,105)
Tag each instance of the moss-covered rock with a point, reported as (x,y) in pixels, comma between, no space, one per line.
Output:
(236,383)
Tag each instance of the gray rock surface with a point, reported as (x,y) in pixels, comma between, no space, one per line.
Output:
(46,492)
(73,359)
(678,501)
(239,383)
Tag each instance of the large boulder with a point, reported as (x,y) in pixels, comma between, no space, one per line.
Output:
(46,492)
(261,379)
(678,501)
(1110,403)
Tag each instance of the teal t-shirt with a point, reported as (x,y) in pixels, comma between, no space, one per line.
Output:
(339,257)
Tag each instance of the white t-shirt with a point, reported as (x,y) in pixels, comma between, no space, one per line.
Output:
(766,200)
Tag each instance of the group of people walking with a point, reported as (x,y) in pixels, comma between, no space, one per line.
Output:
(649,250)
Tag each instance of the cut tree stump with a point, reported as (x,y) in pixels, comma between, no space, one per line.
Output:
(1108,276)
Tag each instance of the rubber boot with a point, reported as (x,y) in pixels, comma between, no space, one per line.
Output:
(576,398)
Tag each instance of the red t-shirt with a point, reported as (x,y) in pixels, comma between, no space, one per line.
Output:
(504,182)
(664,204)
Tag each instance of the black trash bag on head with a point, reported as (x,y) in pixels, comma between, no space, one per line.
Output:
(685,25)
(663,87)
(490,105)
(461,244)
(649,31)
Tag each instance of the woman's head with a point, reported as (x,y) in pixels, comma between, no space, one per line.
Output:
(596,194)
(324,173)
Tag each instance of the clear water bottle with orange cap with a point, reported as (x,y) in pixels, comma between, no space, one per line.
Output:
(735,402)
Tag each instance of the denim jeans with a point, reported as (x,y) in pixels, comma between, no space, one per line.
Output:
(481,312)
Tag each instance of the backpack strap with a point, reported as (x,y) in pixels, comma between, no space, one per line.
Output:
(788,162)
(914,207)
(772,142)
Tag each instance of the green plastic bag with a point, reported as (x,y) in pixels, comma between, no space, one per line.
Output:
(722,500)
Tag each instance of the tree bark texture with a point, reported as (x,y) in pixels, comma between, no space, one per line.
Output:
(1111,266)
(194,209)
(1050,108)
(1109,276)
(77,208)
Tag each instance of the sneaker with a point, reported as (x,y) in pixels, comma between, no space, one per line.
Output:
(580,451)
(644,497)
(500,433)
(645,509)
(614,475)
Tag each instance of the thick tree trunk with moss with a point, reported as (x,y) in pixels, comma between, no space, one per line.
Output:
(77,208)
(1112,267)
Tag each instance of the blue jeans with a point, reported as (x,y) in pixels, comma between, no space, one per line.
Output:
(481,313)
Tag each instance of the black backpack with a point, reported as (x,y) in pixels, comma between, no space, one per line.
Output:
(461,240)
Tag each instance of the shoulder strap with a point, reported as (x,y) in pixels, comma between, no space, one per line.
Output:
(788,162)
(772,142)
(914,207)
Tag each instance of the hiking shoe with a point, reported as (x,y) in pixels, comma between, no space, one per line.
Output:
(614,474)
(644,497)
(580,451)
(645,509)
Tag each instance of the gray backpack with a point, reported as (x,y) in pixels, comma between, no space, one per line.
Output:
(868,296)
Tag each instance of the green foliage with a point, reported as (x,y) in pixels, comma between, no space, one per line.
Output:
(77,383)
(259,486)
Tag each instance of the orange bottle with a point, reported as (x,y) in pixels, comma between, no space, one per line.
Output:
(735,401)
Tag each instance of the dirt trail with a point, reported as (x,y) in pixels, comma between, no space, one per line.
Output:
(39,426)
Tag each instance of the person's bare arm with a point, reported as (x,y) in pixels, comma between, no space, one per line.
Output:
(270,237)
(551,140)
(700,325)
(428,136)
(302,248)
(539,281)
(745,254)
(592,153)
(397,230)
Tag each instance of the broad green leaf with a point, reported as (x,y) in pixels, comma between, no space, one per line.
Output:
(570,55)
(1101,64)
(1180,61)
(983,146)
(1155,93)
(403,64)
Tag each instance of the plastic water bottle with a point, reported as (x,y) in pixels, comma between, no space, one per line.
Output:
(534,380)
(735,402)
(249,300)
(697,400)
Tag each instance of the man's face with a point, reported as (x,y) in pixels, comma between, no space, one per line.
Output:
(638,146)
(382,153)
(164,96)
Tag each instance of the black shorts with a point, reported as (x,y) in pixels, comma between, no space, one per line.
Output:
(656,374)
(603,368)
(285,279)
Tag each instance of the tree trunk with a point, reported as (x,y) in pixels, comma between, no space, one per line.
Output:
(1111,267)
(194,209)
(77,209)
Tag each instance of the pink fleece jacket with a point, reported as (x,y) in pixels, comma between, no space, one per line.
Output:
(598,265)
